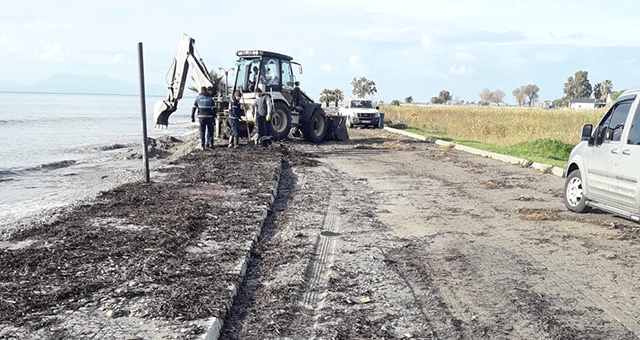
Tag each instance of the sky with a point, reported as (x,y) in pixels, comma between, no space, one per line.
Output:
(408,48)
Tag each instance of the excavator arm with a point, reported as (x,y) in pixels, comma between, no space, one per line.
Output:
(186,60)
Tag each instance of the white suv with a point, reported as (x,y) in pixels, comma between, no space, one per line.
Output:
(604,168)
(361,112)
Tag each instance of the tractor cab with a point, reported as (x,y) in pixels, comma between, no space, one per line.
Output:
(273,74)
(270,71)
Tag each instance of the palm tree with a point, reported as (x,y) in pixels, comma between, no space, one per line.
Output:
(338,96)
(596,91)
(326,96)
(606,87)
(217,80)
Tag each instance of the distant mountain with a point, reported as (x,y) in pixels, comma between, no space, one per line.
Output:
(71,83)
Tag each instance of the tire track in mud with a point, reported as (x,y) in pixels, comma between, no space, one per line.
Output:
(316,277)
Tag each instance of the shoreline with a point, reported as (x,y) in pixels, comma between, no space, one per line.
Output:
(92,179)
(130,259)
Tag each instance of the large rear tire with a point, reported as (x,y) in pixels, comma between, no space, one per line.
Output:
(573,195)
(281,121)
(316,128)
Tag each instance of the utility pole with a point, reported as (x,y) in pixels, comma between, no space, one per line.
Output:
(143,109)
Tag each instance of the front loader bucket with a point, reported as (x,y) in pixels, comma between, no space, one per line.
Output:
(161,112)
(337,129)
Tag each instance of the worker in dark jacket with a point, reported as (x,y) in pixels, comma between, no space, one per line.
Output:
(235,111)
(262,110)
(205,106)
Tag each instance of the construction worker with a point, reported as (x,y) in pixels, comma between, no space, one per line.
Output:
(262,110)
(234,119)
(297,103)
(206,115)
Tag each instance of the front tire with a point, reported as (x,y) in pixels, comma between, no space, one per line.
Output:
(574,199)
(281,121)
(349,122)
(316,128)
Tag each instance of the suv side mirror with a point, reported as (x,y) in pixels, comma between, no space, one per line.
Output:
(377,107)
(587,129)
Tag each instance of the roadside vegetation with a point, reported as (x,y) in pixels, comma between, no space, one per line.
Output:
(545,136)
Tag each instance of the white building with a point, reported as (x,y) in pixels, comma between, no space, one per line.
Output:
(582,103)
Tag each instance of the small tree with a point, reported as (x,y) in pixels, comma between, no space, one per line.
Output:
(596,92)
(518,94)
(442,98)
(217,80)
(577,87)
(326,96)
(445,96)
(531,91)
(363,87)
(617,94)
(408,100)
(606,87)
(497,96)
(395,102)
(485,96)
(338,96)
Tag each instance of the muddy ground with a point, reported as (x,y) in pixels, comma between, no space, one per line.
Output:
(381,237)
(389,238)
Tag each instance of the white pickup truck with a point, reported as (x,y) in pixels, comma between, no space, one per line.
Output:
(361,112)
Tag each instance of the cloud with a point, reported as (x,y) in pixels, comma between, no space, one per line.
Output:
(308,53)
(464,56)
(117,59)
(427,43)
(327,68)
(53,52)
(461,69)
(356,64)
(380,34)
(547,56)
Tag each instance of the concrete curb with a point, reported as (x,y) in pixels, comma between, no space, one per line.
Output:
(216,323)
(545,168)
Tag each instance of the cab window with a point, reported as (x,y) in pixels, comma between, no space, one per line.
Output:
(271,69)
(287,74)
(634,131)
(612,126)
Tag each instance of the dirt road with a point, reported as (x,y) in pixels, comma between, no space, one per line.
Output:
(385,237)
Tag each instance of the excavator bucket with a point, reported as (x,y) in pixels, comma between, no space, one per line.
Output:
(161,112)
(337,129)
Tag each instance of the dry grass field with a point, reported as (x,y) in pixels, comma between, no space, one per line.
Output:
(502,126)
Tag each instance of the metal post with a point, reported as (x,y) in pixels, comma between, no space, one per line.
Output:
(143,109)
(226,80)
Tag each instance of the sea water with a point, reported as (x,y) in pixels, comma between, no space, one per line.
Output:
(58,148)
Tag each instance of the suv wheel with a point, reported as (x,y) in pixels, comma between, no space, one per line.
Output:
(573,198)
